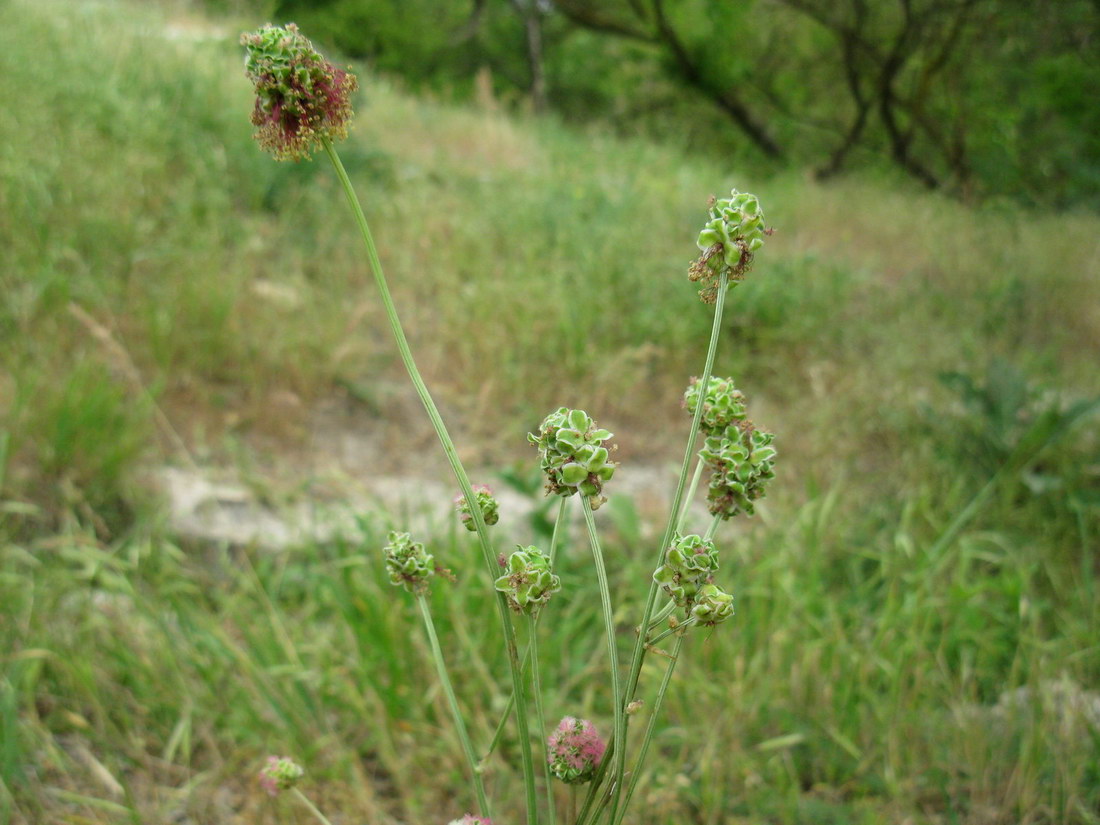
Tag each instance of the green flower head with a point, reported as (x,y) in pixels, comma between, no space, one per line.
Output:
(281,773)
(573,455)
(713,605)
(302,100)
(723,404)
(529,583)
(742,459)
(690,562)
(734,231)
(408,563)
(486,503)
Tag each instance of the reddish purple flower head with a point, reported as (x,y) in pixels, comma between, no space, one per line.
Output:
(302,100)
(574,750)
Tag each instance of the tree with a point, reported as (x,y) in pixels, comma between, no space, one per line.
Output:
(685,46)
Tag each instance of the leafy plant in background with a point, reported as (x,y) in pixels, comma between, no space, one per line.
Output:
(1003,431)
(303,106)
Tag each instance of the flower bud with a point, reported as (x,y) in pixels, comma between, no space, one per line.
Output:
(729,239)
(690,561)
(572,455)
(301,99)
(712,605)
(486,502)
(529,583)
(280,774)
(742,460)
(470,819)
(408,563)
(574,750)
(723,404)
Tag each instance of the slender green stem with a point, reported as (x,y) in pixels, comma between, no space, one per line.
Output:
(662,614)
(713,528)
(640,643)
(664,635)
(609,625)
(499,732)
(312,808)
(648,737)
(541,719)
(554,544)
(452,701)
(690,497)
(558,521)
(597,780)
(459,472)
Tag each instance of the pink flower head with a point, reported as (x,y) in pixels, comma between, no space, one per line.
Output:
(574,750)
(470,819)
(280,774)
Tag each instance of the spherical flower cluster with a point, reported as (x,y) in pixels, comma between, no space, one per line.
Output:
(486,503)
(280,774)
(470,819)
(729,239)
(574,750)
(529,583)
(712,605)
(723,404)
(690,563)
(741,458)
(407,562)
(302,100)
(572,455)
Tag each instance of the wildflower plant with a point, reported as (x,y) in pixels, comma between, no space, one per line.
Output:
(690,563)
(572,454)
(303,106)
(575,750)
(408,563)
(723,404)
(280,773)
(529,583)
(485,501)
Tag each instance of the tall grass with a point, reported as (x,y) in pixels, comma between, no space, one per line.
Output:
(867,672)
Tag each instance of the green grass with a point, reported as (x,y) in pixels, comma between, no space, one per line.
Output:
(151,258)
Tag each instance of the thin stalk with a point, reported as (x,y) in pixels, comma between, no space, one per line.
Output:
(312,808)
(713,528)
(459,472)
(452,701)
(648,737)
(609,625)
(690,497)
(597,780)
(558,521)
(541,720)
(527,653)
(662,614)
(693,433)
(664,635)
(499,732)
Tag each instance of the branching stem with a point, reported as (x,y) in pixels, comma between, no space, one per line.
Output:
(674,510)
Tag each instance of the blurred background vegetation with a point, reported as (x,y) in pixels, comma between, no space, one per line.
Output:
(916,637)
(977,97)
